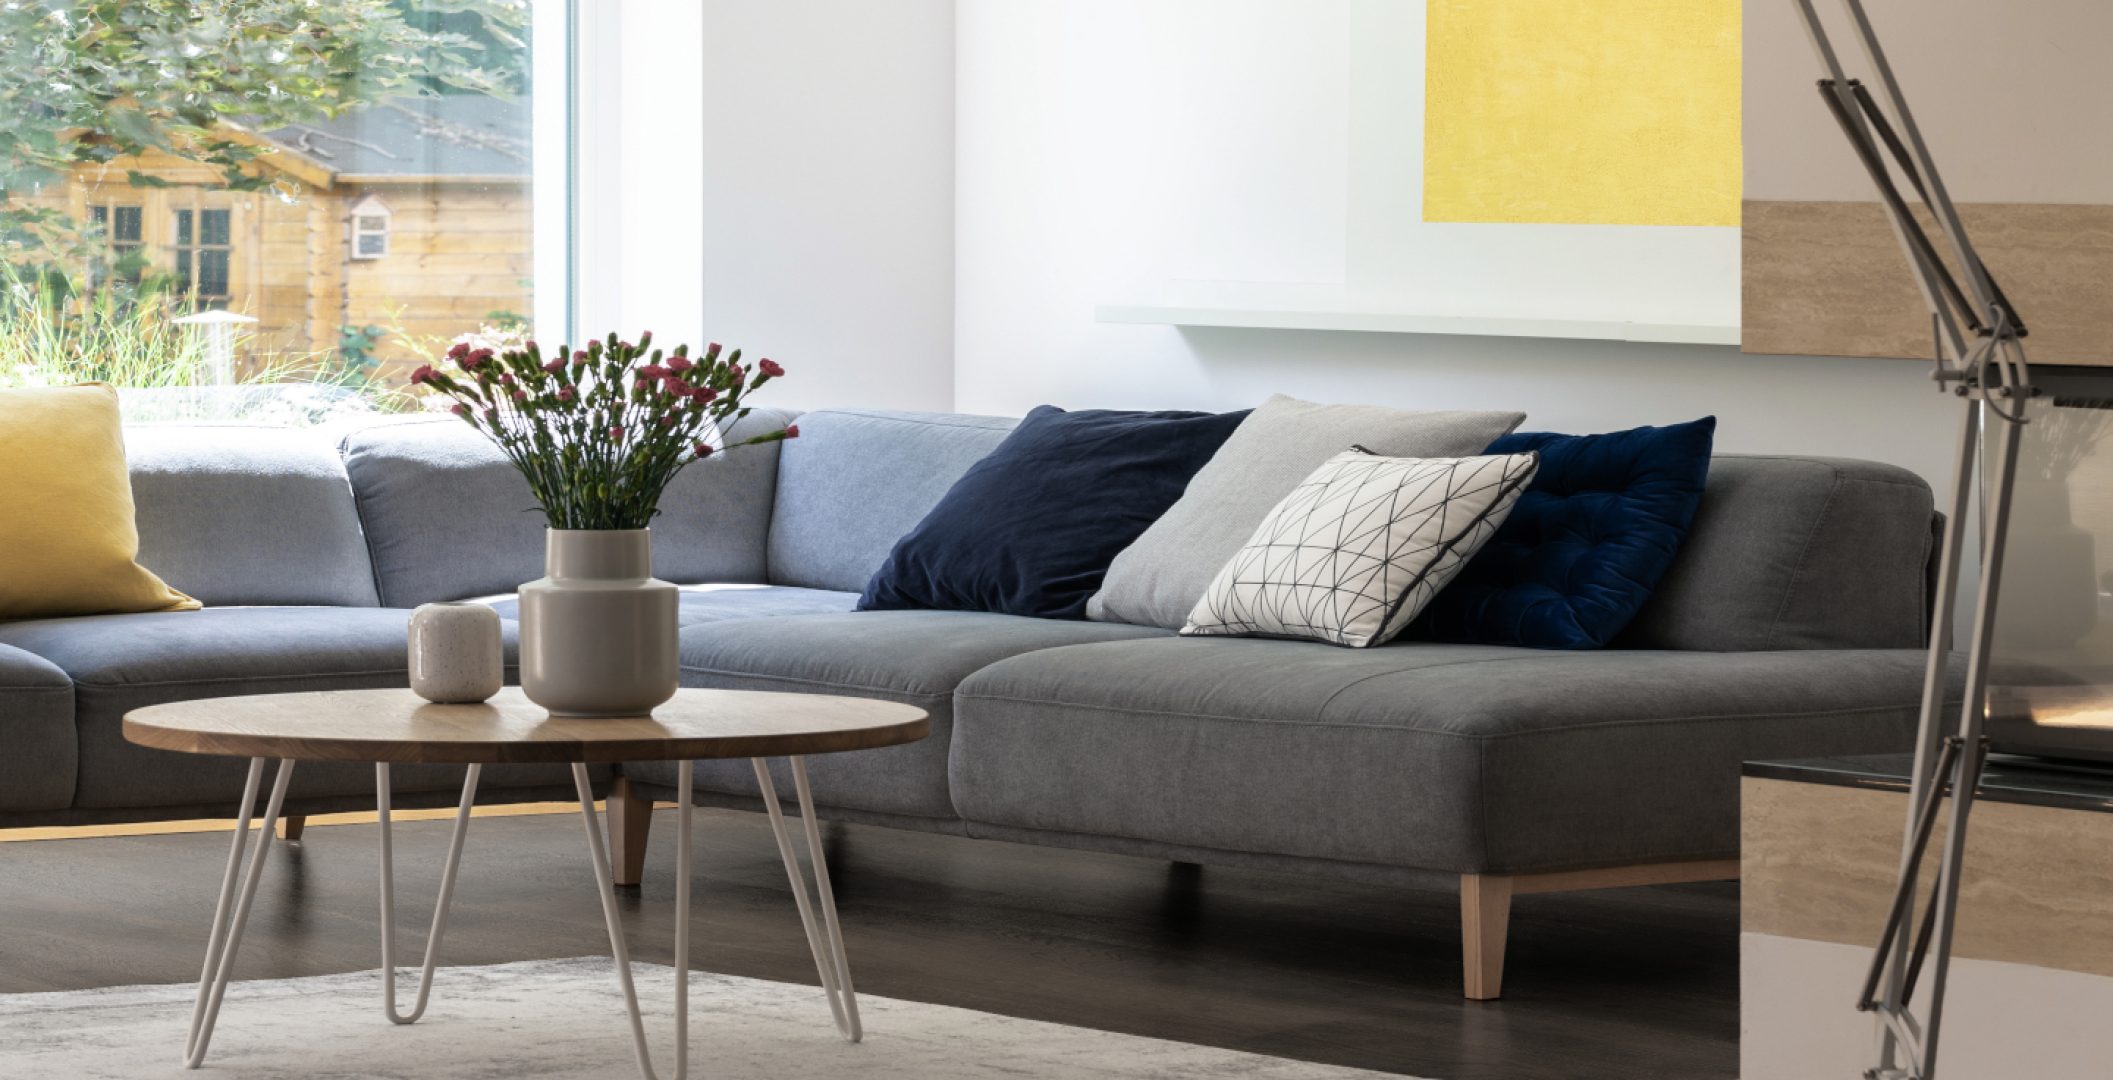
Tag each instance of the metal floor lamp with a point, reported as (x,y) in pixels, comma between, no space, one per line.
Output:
(1980,359)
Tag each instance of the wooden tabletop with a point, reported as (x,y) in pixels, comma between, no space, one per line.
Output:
(399,726)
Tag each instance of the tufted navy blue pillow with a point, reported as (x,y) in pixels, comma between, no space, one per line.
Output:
(1586,543)
(1031,528)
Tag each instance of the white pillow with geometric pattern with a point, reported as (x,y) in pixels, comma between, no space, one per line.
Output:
(1360,546)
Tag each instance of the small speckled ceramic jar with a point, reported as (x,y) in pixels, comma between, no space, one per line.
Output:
(457,654)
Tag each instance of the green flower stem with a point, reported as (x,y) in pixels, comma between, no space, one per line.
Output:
(602,458)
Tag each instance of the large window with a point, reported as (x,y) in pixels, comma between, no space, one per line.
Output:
(353,185)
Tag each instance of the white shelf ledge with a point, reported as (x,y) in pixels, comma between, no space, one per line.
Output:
(1387,322)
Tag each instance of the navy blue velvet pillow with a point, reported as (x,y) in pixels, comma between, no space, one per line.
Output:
(1031,528)
(1586,543)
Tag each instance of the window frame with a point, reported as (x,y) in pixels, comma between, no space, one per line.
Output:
(103,264)
(187,256)
(561,32)
(368,209)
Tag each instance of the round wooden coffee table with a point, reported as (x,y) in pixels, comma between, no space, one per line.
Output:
(389,726)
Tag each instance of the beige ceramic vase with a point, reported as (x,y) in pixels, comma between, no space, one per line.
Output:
(598,630)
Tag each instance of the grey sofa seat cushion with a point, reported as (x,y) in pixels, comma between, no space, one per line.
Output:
(37,742)
(855,481)
(248,515)
(1454,758)
(124,662)
(916,657)
(1797,553)
(448,518)
(713,603)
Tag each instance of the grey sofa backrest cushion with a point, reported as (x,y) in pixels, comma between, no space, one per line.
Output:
(1797,553)
(856,480)
(447,517)
(248,515)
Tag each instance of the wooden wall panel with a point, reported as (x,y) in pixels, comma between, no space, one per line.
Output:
(457,254)
(1818,863)
(1828,278)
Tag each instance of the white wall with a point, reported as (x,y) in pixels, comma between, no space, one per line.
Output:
(777,176)
(639,171)
(2036,137)
(1067,121)
(828,192)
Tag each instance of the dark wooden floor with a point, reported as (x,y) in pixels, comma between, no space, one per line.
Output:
(1628,984)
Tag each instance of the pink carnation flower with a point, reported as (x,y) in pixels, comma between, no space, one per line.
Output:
(770,368)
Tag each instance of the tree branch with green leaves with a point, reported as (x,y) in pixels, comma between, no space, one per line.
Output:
(94,82)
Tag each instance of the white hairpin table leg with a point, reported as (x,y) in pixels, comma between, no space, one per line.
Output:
(597,849)
(440,909)
(225,939)
(825,940)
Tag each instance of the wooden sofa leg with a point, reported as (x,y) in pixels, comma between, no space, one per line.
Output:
(1485,920)
(291,826)
(630,819)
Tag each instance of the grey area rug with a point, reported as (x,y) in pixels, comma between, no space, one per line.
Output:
(565,1018)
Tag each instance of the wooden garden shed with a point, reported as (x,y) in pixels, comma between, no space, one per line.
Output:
(411,215)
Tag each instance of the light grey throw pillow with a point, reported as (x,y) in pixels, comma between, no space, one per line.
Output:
(1358,549)
(1158,579)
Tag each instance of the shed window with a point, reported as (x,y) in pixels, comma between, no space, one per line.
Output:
(370,236)
(204,247)
(122,254)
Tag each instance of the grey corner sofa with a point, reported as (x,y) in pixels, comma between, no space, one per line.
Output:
(1791,625)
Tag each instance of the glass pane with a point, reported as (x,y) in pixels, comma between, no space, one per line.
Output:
(212,273)
(2052,675)
(131,261)
(427,102)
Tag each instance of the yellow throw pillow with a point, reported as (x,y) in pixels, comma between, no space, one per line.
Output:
(68,544)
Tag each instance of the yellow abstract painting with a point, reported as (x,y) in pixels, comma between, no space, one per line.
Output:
(1598,112)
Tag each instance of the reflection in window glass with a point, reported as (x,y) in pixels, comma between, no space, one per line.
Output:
(114,243)
(201,264)
(367,202)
